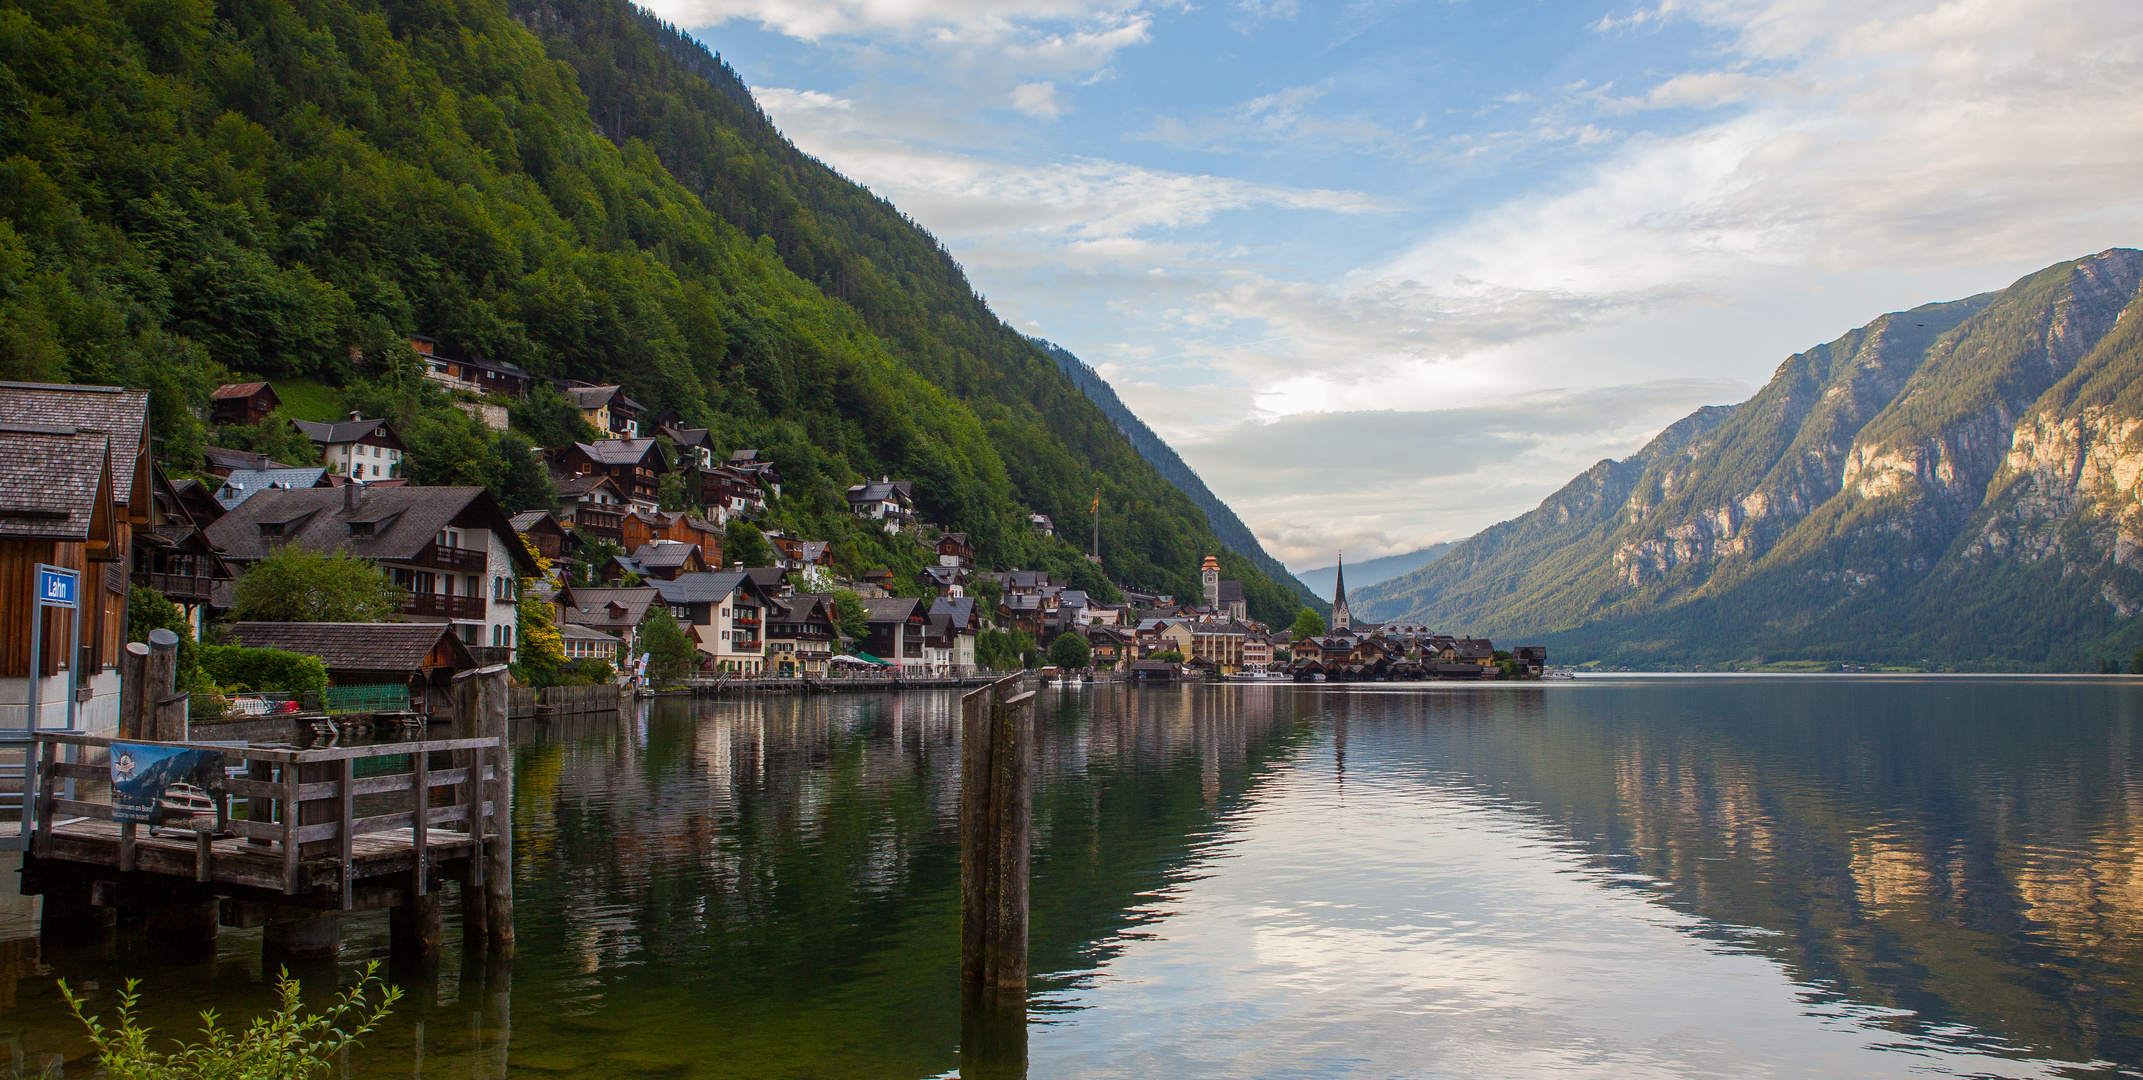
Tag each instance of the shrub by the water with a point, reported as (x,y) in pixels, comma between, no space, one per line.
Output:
(235,667)
(284,1044)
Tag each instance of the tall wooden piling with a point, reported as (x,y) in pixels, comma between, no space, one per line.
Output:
(133,690)
(996,827)
(483,699)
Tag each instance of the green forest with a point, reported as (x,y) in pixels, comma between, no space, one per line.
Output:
(195,191)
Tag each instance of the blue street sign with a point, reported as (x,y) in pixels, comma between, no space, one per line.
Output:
(56,587)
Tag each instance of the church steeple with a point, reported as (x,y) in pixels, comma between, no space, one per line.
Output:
(1341,620)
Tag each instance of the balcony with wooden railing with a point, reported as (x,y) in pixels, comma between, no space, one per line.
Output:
(463,560)
(179,588)
(440,605)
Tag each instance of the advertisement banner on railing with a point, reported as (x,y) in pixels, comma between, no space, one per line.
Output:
(165,785)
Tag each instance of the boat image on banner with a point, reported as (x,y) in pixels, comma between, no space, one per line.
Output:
(165,785)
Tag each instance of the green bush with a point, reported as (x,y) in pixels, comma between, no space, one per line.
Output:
(146,611)
(1071,650)
(235,667)
(1169,657)
(286,1044)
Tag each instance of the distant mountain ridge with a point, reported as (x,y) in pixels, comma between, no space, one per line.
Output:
(1230,529)
(1952,486)
(1373,571)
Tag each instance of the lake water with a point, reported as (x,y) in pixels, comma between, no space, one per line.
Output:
(1617,877)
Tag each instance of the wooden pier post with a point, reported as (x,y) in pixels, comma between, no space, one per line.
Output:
(483,699)
(133,690)
(303,943)
(996,827)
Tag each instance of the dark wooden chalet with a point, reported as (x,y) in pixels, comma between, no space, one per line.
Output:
(242,403)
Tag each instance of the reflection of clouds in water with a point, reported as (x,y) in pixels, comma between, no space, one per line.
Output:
(1439,919)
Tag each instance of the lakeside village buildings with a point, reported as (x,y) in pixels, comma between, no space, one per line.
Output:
(81,489)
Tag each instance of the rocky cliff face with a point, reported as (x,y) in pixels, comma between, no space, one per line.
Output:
(1980,456)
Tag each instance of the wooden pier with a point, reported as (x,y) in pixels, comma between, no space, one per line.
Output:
(324,831)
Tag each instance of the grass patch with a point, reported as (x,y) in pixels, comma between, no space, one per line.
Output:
(309,399)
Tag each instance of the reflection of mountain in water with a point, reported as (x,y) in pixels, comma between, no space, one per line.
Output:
(1971,854)
(792,866)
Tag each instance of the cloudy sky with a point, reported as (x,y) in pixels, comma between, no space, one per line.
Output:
(1387,272)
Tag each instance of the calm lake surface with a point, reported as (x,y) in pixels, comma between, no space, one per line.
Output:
(1621,877)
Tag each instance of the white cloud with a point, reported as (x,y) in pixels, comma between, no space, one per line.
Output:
(1077,200)
(1038,99)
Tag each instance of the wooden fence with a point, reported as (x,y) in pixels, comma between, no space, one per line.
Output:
(529,701)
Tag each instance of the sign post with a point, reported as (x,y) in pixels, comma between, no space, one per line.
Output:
(57,587)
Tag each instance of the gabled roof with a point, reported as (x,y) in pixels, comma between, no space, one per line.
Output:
(1231,592)
(219,458)
(243,484)
(618,607)
(960,608)
(695,436)
(345,431)
(596,397)
(620,451)
(891,609)
(803,607)
(529,519)
(576,487)
(664,554)
(51,478)
(240,390)
(369,647)
(1029,579)
(405,521)
(882,491)
(706,587)
(120,413)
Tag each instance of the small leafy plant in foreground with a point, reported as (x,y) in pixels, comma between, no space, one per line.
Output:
(284,1044)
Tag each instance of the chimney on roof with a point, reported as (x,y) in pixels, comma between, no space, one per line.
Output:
(355,415)
(260,462)
(353,494)
(736,566)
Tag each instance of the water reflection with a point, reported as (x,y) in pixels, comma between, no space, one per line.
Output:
(1805,877)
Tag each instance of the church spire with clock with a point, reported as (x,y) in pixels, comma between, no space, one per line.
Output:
(1342,621)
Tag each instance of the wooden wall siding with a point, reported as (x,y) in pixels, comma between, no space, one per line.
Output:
(18,563)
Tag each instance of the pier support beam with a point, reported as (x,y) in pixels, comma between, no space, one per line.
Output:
(67,917)
(413,928)
(306,945)
(996,829)
(483,700)
(191,922)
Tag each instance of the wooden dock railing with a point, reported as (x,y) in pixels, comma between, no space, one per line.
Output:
(303,829)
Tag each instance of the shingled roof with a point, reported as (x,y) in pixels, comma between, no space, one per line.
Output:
(620,609)
(243,484)
(376,648)
(618,451)
(404,520)
(50,480)
(118,412)
(344,431)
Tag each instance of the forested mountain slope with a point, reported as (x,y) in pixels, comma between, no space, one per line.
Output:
(1231,530)
(1954,485)
(191,189)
